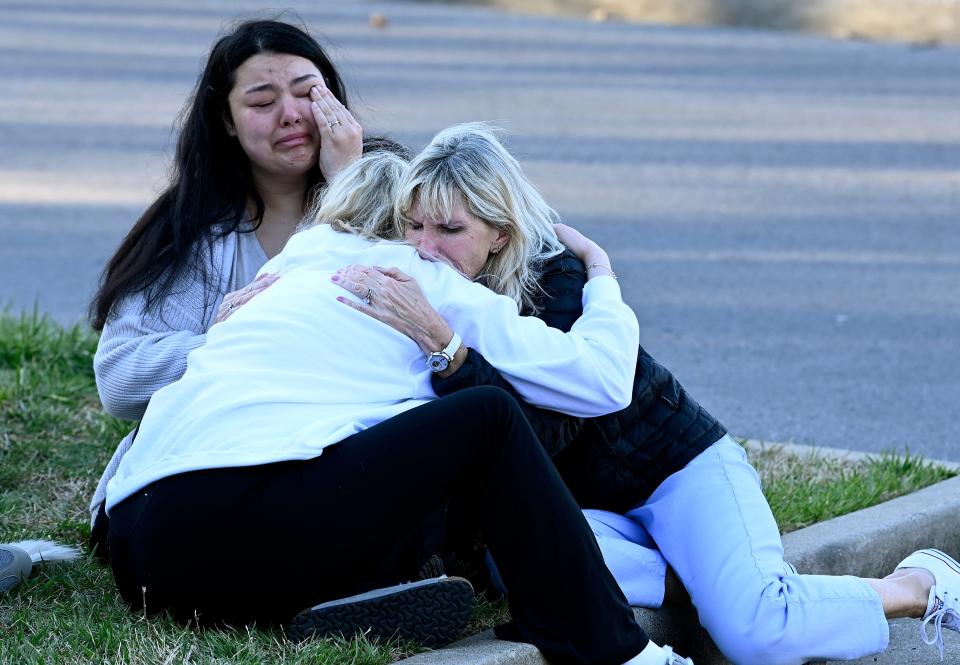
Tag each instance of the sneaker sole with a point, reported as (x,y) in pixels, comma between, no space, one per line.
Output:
(15,567)
(432,612)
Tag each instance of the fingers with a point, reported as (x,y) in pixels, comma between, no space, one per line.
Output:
(360,306)
(265,277)
(365,308)
(355,304)
(586,249)
(357,281)
(349,284)
(394,273)
(261,283)
(366,296)
(369,275)
(341,136)
(258,284)
(324,115)
(567,234)
(329,112)
(247,296)
(236,299)
(393,298)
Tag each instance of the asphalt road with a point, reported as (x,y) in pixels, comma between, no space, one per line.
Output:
(783,210)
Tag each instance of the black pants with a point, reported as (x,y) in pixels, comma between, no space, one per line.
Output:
(261,543)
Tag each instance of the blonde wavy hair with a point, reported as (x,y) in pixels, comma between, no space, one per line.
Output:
(467,164)
(360,199)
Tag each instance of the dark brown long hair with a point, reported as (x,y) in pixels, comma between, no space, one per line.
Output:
(211,183)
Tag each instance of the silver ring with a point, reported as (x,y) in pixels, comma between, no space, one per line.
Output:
(368,296)
(331,124)
(232,306)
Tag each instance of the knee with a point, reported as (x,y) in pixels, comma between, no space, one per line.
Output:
(482,395)
(757,633)
(489,404)
(493,416)
(492,395)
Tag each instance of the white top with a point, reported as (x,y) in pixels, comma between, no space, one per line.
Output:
(140,352)
(294,371)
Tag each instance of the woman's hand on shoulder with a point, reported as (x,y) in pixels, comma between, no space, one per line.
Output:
(391,296)
(592,254)
(341,136)
(237,299)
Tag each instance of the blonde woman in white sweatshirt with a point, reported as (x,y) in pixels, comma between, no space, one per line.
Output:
(304,446)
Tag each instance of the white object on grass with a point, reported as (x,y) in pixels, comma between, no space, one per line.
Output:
(17,559)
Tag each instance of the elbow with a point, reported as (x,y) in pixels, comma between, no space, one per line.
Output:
(620,395)
(124,410)
(119,397)
(622,376)
(623,399)
(619,386)
(609,398)
(621,365)
(611,386)
(117,405)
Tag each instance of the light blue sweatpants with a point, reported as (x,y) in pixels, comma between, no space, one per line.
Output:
(713,525)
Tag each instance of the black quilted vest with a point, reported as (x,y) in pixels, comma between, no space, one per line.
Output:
(616,461)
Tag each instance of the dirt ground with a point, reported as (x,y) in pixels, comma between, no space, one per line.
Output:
(917,21)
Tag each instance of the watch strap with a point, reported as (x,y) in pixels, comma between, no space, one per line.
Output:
(440,360)
(451,349)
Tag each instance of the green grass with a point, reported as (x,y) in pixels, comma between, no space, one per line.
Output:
(806,489)
(55,439)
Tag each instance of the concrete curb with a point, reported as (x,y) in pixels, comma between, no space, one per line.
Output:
(866,543)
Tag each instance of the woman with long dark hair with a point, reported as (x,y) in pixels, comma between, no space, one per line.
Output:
(266,126)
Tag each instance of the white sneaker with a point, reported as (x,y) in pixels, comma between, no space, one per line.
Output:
(943,607)
(674,659)
(15,566)
(654,654)
(17,559)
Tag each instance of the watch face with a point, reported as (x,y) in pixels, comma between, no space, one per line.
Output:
(438,362)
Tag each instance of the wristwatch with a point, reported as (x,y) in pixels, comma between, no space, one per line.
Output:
(440,360)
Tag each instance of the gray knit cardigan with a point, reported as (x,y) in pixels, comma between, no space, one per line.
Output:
(140,352)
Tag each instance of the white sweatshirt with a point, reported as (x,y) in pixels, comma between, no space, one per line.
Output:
(141,351)
(294,371)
